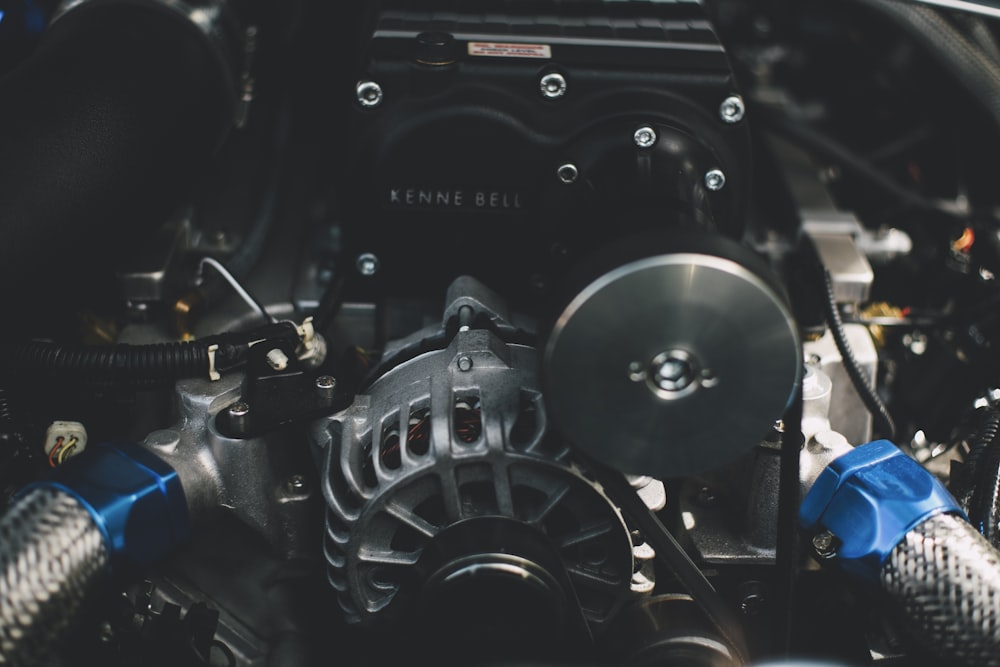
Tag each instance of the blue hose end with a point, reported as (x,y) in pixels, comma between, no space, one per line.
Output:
(136,500)
(869,499)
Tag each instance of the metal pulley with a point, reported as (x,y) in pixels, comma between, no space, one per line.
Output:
(675,357)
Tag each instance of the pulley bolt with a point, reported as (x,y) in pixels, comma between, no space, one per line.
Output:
(369,94)
(326,387)
(465,364)
(367,264)
(673,373)
(715,180)
(825,545)
(567,173)
(645,137)
(732,109)
(553,85)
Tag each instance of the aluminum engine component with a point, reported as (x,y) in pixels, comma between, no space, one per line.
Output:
(51,551)
(452,435)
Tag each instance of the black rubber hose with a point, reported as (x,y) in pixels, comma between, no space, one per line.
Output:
(963,482)
(862,383)
(103,130)
(826,147)
(976,71)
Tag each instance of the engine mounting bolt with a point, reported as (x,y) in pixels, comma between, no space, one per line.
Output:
(367,264)
(715,180)
(825,544)
(645,137)
(732,109)
(238,413)
(326,387)
(553,85)
(567,173)
(369,94)
(465,363)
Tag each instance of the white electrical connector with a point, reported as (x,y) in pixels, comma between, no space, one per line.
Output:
(63,440)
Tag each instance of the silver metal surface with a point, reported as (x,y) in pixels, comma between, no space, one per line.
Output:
(848,414)
(980,8)
(850,271)
(715,180)
(51,553)
(567,173)
(369,94)
(721,314)
(367,264)
(945,577)
(553,85)
(244,478)
(732,109)
(644,137)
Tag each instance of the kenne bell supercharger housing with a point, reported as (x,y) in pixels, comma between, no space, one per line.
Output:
(504,140)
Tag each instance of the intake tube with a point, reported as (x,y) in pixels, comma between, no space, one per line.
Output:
(113,508)
(887,522)
(104,129)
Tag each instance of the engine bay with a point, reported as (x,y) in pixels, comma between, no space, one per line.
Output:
(499,332)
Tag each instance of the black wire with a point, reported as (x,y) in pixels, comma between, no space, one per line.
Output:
(860,380)
(829,148)
(788,543)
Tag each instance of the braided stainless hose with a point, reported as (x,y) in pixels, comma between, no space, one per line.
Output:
(946,578)
(51,550)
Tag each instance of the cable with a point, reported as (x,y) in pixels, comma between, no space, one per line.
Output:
(235,284)
(829,148)
(862,383)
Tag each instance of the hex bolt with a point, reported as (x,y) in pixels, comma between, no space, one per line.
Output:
(238,413)
(326,387)
(645,137)
(367,264)
(296,484)
(369,94)
(732,109)
(715,180)
(465,363)
(553,85)
(825,545)
(567,173)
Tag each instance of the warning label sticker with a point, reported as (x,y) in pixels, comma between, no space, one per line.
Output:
(504,50)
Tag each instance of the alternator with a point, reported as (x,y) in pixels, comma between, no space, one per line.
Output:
(454,438)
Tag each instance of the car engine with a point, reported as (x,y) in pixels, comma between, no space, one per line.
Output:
(500,332)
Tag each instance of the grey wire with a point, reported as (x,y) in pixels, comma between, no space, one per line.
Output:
(977,8)
(235,284)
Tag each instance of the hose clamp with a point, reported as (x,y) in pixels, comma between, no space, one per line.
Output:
(866,501)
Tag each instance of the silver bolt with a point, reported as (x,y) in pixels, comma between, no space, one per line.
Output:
(106,633)
(238,412)
(296,484)
(715,180)
(673,374)
(825,545)
(552,85)
(367,264)
(369,94)
(732,109)
(567,173)
(326,387)
(644,137)
(465,364)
